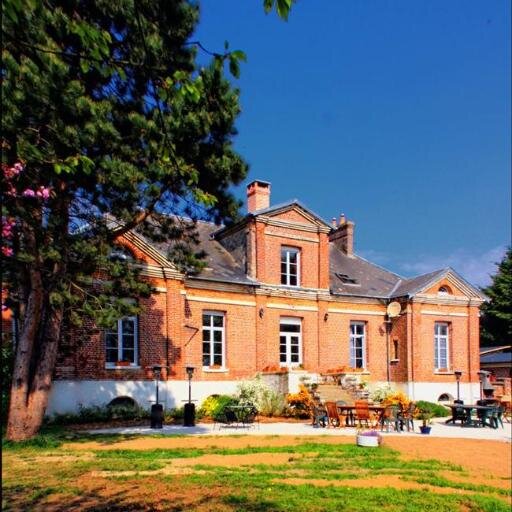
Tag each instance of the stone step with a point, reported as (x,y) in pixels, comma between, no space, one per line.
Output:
(333,393)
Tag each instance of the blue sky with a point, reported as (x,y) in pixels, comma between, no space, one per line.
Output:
(396,113)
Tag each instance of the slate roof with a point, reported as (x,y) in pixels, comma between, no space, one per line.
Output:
(348,275)
(503,356)
(371,280)
(220,264)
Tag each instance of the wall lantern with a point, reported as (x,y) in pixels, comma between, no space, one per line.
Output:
(261,312)
(326,317)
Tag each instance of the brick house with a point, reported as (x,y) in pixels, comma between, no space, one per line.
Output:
(281,289)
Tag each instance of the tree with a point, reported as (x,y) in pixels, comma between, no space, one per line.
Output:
(496,321)
(108,125)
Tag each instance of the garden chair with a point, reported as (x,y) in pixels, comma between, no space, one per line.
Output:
(460,414)
(362,412)
(332,414)
(497,417)
(391,416)
(347,414)
(407,416)
(249,417)
(227,417)
(484,417)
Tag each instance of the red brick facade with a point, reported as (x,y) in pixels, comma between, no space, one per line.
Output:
(170,330)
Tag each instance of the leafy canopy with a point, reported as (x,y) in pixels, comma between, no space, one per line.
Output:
(496,320)
(107,109)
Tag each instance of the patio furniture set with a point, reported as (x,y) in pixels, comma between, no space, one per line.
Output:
(237,416)
(363,414)
(485,413)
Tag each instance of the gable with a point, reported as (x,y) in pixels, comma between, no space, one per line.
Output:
(454,285)
(294,215)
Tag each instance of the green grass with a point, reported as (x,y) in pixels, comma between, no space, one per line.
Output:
(41,468)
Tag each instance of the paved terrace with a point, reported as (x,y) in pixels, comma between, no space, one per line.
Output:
(439,429)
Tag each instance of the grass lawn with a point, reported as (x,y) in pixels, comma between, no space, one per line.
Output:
(238,474)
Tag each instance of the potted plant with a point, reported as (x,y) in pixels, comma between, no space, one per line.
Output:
(368,438)
(425,415)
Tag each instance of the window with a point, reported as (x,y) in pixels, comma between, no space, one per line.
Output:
(395,351)
(357,345)
(213,339)
(121,342)
(290,261)
(290,342)
(441,361)
(444,290)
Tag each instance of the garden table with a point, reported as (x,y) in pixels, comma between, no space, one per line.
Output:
(484,412)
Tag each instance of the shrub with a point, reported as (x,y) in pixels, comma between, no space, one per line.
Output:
(397,398)
(214,405)
(438,411)
(257,392)
(381,393)
(300,404)
(99,414)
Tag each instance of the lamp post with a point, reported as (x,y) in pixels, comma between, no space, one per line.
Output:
(189,416)
(458,375)
(157,409)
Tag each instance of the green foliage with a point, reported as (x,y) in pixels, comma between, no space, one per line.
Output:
(437,410)
(213,406)
(99,414)
(496,320)
(258,393)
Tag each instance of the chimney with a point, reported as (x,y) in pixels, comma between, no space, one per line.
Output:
(343,236)
(258,196)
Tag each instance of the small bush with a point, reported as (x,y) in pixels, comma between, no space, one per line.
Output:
(273,404)
(397,398)
(214,405)
(300,404)
(99,414)
(437,411)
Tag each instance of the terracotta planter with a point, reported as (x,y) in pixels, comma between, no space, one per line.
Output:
(123,363)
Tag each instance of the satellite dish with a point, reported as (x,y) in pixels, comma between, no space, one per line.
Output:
(393,309)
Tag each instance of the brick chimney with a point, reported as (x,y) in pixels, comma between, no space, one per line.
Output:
(343,235)
(258,195)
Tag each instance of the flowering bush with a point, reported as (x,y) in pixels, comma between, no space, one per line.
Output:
(301,403)
(259,393)
(397,398)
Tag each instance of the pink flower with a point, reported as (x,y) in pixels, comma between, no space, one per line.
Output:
(18,167)
(6,251)
(43,192)
(28,192)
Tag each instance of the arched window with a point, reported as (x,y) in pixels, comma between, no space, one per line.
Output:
(444,290)
(121,253)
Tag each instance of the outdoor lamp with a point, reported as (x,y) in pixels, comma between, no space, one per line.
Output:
(189,409)
(458,375)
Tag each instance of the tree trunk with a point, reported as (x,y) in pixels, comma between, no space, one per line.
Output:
(29,402)
(17,419)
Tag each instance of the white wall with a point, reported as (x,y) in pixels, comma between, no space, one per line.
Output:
(69,395)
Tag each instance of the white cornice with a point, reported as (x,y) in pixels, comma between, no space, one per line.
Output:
(442,313)
(299,226)
(356,312)
(293,237)
(212,300)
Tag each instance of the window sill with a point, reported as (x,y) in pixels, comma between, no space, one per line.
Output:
(206,369)
(443,372)
(131,367)
(394,361)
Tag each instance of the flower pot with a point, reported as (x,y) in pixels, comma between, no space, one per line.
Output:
(425,429)
(369,441)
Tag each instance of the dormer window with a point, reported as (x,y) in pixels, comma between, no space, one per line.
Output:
(290,261)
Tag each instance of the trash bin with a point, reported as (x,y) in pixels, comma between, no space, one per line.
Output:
(157,415)
(189,418)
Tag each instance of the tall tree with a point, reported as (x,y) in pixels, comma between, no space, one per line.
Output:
(496,321)
(108,124)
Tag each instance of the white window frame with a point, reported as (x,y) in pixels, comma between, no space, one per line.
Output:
(120,338)
(439,340)
(353,339)
(211,329)
(290,320)
(285,258)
